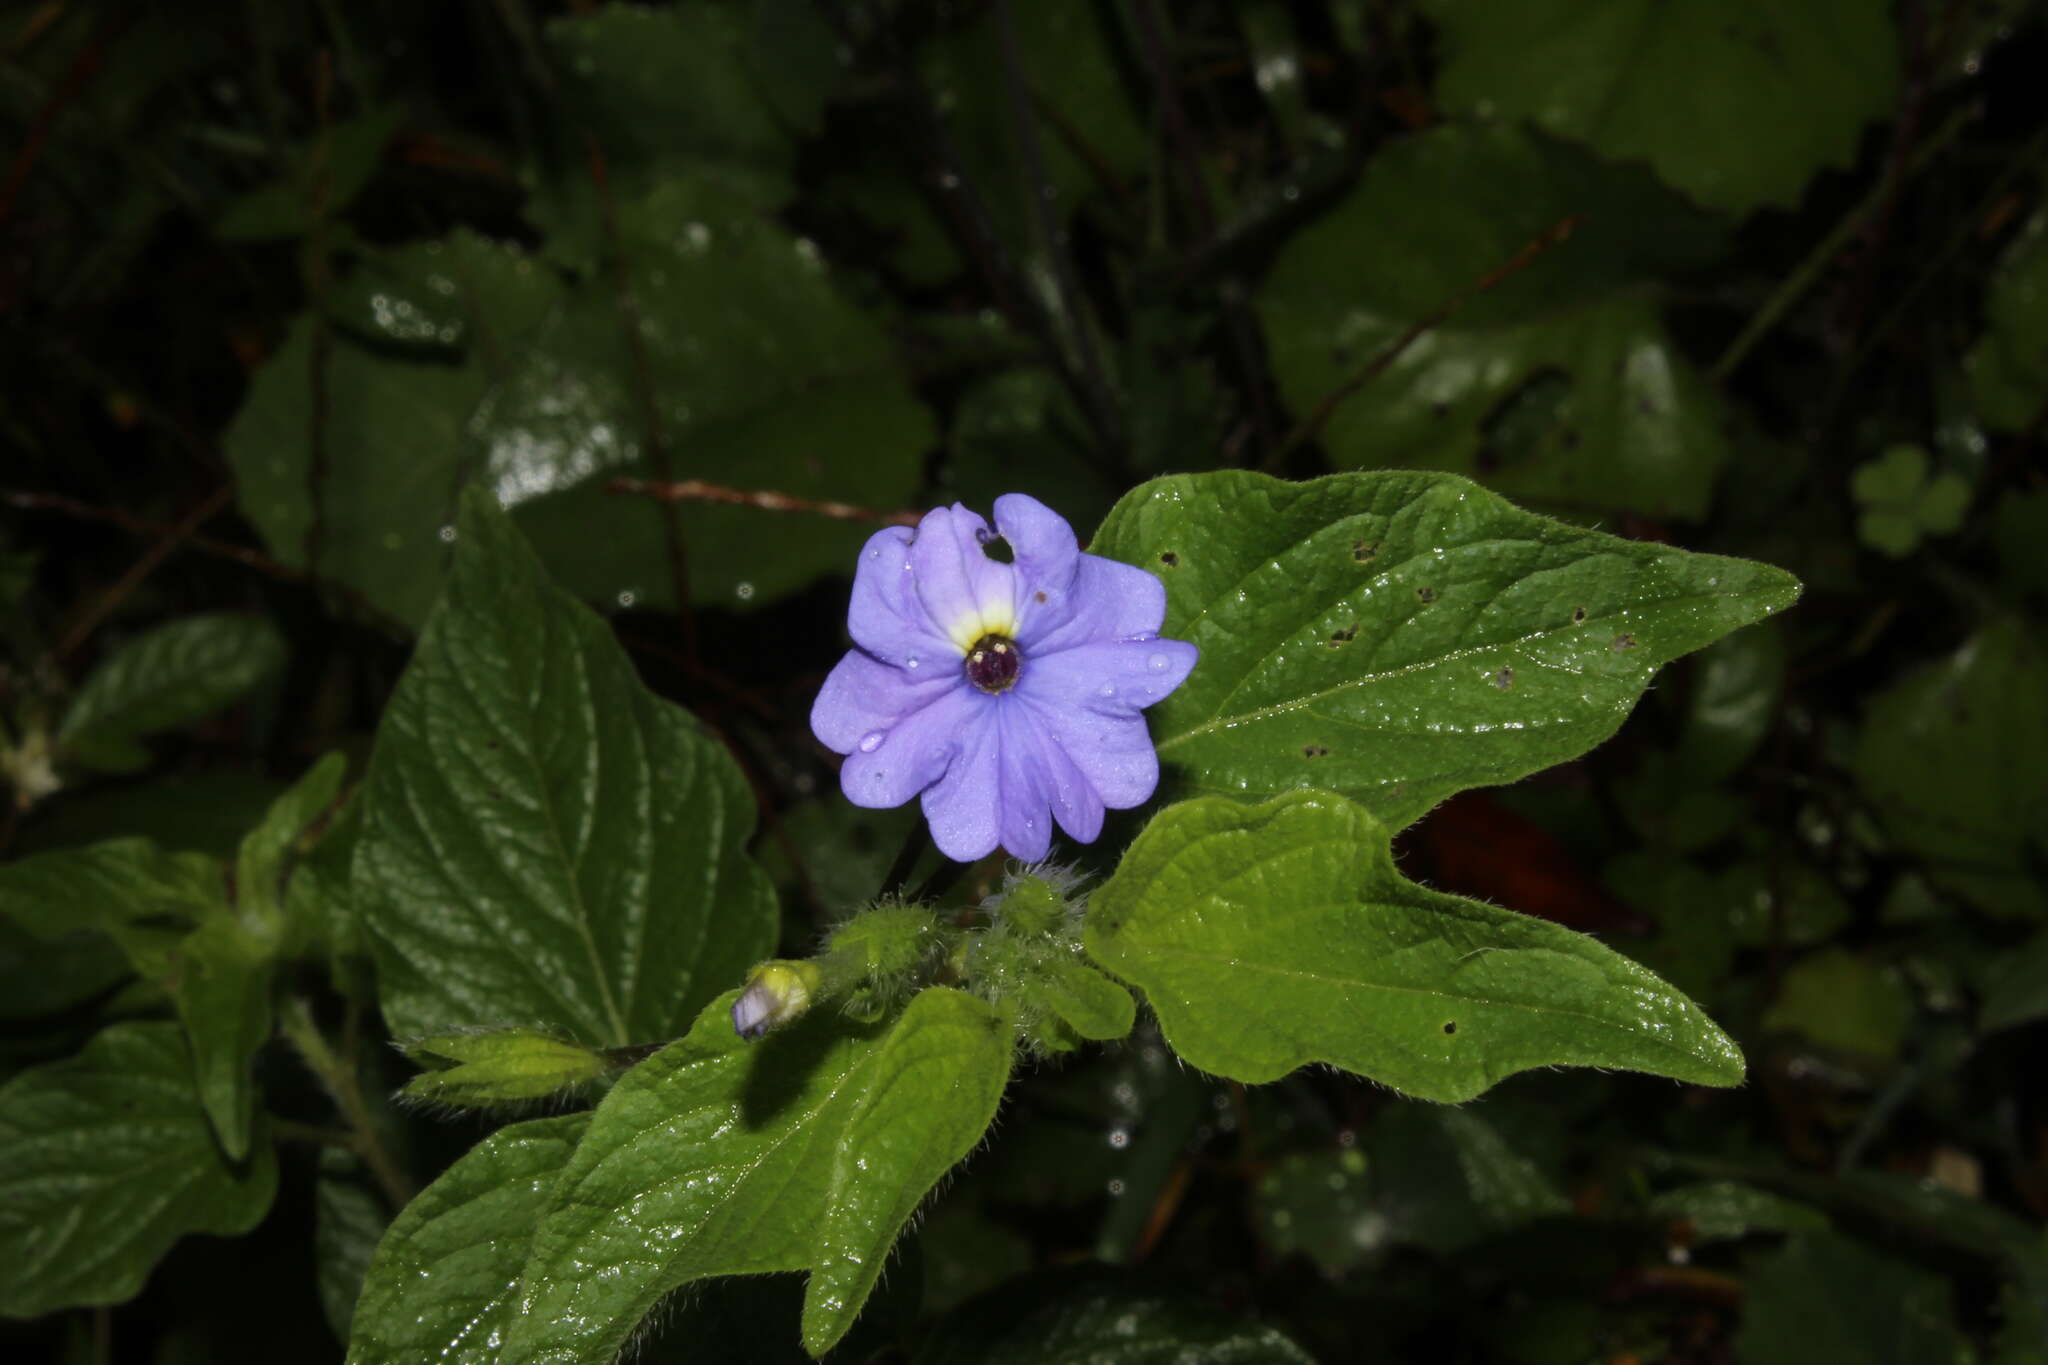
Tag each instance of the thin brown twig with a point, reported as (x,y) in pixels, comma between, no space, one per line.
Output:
(1311,425)
(764,499)
(168,540)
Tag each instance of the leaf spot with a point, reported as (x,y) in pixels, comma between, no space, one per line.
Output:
(1340,638)
(1425,594)
(1578,616)
(1362,551)
(1314,750)
(1505,678)
(1623,643)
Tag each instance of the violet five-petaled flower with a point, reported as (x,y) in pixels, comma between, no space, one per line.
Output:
(1007,695)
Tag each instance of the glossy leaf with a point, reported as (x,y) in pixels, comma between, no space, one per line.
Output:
(1558,384)
(106,1159)
(720,1157)
(1088,1316)
(2008,368)
(1269,937)
(1951,758)
(172,675)
(1737,104)
(219,977)
(929,1096)
(544,840)
(266,858)
(1400,637)
(442,1284)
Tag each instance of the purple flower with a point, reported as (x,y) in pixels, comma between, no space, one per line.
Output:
(1007,695)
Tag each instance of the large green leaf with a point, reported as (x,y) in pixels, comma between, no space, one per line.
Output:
(758,370)
(487,367)
(2009,367)
(170,676)
(1736,102)
(106,1159)
(1269,937)
(1560,384)
(1089,1316)
(143,897)
(718,1157)
(545,841)
(442,1283)
(1951,757)
(220,979)
(1400,637)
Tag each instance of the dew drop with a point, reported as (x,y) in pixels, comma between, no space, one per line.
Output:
(871,741)
(1108,690)
(1157,663)
(911,662)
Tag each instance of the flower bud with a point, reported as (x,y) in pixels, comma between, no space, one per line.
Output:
(498,1068)
(776,993)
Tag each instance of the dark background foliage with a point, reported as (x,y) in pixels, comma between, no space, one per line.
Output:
(277,281)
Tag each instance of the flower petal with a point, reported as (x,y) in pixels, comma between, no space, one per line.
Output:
(1112,753)
(1056,780)
(886,617)
(1115,679)
(1045,555)
(918,751)
(1108,601)
(863,696)
(966,595)
(963,808)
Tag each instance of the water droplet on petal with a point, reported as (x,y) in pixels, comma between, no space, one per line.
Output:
(911,662)
(1109,689)
(871,741)
(1157,663)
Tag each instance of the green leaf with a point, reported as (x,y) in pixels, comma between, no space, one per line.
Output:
(205,812)
(1721,1210)
(1272,936)
(1840,1000)
(927,1100)
(443,1283)
(171,676)
(510,1066)
(328,173)
(142,896)
(1951,758)
(1738,104)
(348,1222)
(1085,1000)
(108,1160)
(2008,368)
(265,859)
(544,840)
(753,361)
(1826,1298)
(397,430)
(718,1157)
(220,977)
(44,975)
(1560,383)
(1090,1316)
(1400,637)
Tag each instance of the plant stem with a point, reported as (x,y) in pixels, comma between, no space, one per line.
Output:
(338,1075)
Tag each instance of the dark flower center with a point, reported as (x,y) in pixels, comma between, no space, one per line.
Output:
(993,663)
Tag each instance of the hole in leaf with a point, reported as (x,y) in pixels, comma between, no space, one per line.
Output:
(1314,750)
(1343,637)
(1578,616)
(1450,1026)
(1362,551)
(1169,559)
(1425,594)
(1623,643)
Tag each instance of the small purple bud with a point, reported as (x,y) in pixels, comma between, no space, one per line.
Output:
(776,993)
